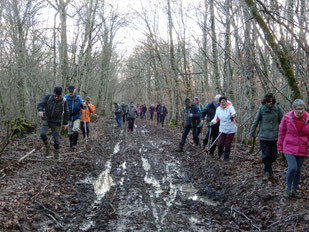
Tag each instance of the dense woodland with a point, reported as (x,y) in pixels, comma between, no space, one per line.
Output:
(242,49)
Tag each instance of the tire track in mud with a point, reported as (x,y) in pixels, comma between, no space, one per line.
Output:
(145,183)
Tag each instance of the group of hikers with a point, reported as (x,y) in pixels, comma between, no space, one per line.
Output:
(70,111)
(286,134)
(131,112)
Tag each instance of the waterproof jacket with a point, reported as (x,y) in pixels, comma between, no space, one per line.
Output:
(74,103)
(152,109)
(201,108)
(290,141)
(124,108)
(210,111)
(117,111)
(144,109)
(162,110)
(53,110)
(90,109)
(269,119)
(191,121)
(224,116)
(131,111)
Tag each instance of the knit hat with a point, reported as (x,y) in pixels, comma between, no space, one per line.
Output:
(88,98)
(196,98)
(71,88)
(187,101)
(58,90)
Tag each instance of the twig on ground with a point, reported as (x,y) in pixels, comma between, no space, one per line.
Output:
(245,216)
(25,156)
(39,192)
(71,153)
(288,218)
(55,220)
(46,209)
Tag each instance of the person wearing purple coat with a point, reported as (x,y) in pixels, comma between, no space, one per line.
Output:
(151,111)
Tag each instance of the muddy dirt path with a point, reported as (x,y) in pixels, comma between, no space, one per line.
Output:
(126,181)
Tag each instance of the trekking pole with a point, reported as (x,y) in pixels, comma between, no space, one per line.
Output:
(85,127)
(211,144)
(208,143)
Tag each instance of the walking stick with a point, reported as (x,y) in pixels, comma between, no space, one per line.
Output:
(208,143)
(211,144)
(85,127)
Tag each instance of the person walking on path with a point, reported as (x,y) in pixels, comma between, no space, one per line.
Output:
(158,113)
(85,116)
(190,119)
(162,113)
(151,111)
(196,102)
(269,117)
(75,103)
(52,109)
(144,110)
(124,108)
(225,114)
(293,142)
(213,131)
(131,112)
(118,114)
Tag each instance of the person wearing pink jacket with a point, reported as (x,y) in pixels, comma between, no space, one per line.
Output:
(293,142)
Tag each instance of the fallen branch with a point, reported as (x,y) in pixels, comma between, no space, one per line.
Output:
(39,192)
(74,152)
(54,219)
(245,216)
(47,209)
(25,156)
(288,218)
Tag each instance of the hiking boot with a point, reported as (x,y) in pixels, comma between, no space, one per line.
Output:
(294,194)
(226,158)
(287,193)
(56,154)
(47,148)
(218,156)
(179,149)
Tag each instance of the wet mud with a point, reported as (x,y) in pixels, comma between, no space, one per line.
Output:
(135,181)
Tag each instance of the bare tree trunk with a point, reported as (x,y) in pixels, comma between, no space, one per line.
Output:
(216,75)
(287,69)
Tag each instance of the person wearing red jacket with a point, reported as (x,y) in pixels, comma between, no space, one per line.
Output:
(293,142)
(85,116)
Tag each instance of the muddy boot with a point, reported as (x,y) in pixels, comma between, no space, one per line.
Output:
(56,154)
(179,149)
(74,140)
(220,152)
(71,141)
(227,154)
(287,193)
(47,148)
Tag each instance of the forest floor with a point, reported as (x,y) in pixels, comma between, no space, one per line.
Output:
(136,181)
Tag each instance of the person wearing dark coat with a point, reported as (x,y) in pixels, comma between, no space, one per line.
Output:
(151,111)
(144,110)
(157,111)
(213,131)
(52,109)
(131,112)
(190,119)
(162,111)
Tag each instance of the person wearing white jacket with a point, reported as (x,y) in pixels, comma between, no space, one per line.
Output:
(225,114)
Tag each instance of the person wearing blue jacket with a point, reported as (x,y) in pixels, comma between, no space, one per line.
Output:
(191,118)
(75,102)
